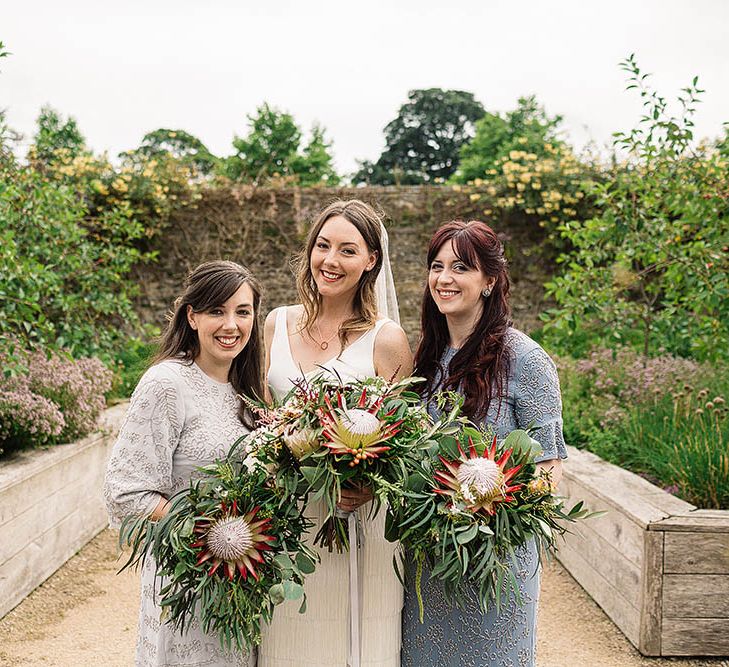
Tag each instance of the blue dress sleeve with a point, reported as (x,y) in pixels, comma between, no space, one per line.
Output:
(538,402)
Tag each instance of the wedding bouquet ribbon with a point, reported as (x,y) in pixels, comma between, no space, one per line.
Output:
(356,542)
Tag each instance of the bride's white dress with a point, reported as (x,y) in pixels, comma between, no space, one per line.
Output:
(320,636)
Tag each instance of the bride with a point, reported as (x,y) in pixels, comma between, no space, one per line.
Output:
(341,327)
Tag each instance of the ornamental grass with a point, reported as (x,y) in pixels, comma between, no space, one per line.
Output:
(664,418)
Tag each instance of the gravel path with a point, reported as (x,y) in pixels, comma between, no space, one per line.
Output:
(86,615)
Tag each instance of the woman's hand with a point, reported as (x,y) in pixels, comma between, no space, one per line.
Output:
(354,497)
(163,507)
(554,467)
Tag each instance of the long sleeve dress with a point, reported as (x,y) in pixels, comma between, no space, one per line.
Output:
(453,637)
(179,418)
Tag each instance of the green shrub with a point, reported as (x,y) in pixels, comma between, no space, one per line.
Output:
(130,364)
(64,277)
(652,269)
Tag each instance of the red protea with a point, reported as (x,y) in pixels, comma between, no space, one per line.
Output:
(357,431)
(479,482)
(234,541)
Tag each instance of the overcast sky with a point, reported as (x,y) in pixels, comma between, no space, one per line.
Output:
(125,68)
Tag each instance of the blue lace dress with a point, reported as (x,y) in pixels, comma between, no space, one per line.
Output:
(453,637)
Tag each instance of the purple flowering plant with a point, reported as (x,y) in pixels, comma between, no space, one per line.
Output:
(49,398)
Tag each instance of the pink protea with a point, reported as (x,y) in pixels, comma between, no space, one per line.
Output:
(234,541)
(479,482)
(357,431)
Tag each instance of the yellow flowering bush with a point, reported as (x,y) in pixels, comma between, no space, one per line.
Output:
(147,188)
(548,188)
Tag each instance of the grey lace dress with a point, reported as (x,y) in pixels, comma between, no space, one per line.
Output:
(453,637)
(178,419)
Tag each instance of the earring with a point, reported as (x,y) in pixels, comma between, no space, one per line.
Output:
(486,292)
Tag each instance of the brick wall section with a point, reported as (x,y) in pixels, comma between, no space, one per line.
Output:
(265,227)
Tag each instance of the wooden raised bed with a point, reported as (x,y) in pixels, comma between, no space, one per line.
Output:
(51,505)
(657,566)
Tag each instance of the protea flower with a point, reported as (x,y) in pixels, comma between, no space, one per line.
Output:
(234,541)
(300,441)
(479,482)
(357,431)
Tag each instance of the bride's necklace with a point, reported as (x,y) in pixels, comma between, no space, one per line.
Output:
(322,343)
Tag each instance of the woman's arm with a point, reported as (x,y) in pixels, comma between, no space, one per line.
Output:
(139,472)
(268,329)
(392,356)
(538,403)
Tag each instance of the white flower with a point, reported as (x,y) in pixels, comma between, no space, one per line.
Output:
(481,475)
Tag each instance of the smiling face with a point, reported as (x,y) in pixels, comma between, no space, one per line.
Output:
(339,257)
(456,287)
(224,330)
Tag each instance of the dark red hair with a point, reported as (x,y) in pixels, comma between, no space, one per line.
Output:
(479,370)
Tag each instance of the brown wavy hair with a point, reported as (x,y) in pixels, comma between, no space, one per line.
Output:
(479,370)
(209,286)
(369,224)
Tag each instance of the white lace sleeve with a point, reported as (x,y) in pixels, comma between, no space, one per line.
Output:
(539,402)
(140,466)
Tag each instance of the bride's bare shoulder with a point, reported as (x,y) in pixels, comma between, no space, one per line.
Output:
(392,351)
(293,315)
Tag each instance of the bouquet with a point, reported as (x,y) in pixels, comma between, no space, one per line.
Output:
(229,550)
(475,502)
(327,435)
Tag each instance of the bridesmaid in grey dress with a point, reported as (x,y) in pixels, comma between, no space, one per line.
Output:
(185,413)
(508,382)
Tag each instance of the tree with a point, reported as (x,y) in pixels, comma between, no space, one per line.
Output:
(424,140)
(7,136)
(652,269)
(180,145)
(272,149)
(55,135)
(527,128)
(316,164)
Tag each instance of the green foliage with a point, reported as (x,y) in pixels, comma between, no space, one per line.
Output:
(272,149)
(424,140)
(527,128)
(315,165)
(664,418)
(131,361)
(180,145)
(149,183)
(653,268)
(53,134)
(63,275)
(7,135)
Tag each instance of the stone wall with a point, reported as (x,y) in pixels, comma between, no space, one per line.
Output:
(265,227)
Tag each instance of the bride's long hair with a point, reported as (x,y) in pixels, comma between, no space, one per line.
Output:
(480,368)
(368,223)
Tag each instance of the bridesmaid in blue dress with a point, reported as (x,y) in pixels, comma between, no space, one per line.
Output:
(508,381)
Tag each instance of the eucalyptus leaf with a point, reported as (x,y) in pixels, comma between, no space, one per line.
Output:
(277,593)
